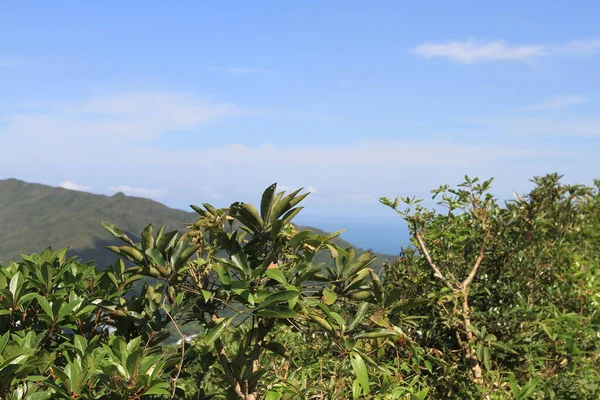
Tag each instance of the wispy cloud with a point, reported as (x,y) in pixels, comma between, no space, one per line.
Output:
(288,188)
(249,71)
(470,52)
(367,155)
(555,103)
(137,191)
(91,133)
(138,116)
(73,186)
(542,127)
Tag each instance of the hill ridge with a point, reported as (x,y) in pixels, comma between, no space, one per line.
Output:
(34,216)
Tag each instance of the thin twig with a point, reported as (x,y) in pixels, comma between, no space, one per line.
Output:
(182,349)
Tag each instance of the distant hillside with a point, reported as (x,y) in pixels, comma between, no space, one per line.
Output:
(34,216)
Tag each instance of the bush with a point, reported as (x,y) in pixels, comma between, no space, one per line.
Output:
(490,301)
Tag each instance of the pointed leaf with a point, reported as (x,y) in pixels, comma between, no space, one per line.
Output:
(279,297)
(117,232)
(155,257)
(277,275)
(276,311)
(266,202)
(147,238)
(360,371)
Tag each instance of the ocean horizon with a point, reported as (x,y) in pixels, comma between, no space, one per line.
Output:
(381,236)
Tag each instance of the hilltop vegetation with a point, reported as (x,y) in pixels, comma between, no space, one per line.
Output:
(490,301)
(34,216)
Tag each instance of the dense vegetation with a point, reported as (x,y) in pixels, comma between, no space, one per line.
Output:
(490,301)
(34,216)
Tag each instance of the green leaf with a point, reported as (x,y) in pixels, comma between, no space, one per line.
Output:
(420,395)
(321,321)
(176,256)
(377,287)
(245,294)
(80,344)
(209,207)
(276,312)
(378,333)
(277,275)
(166,241)
(283,205)
(223,275)
(67,308)
(117,232)
(487,361)
(392,296)
(16,285)
(279,297)
(287,218)
(361,312)
(248,215)
(299,238)
(3,340)
(330,296)
(45,306)
(266,202)
(239,259)
(132,254)
(360,371)
(408,304)
(428,365)
(216,332)
(155,257)
(333,250)
(272,395)
(147,238)
(360,263)
(278,349)
(490,337)
(158,389)
(198,210)
(185,255)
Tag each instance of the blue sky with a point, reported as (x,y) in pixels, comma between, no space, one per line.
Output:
(212,101)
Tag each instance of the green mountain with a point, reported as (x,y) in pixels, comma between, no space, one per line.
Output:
(34,216)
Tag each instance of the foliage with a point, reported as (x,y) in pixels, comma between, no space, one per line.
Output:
(34,216)
(490,301)
(528,318)
(55,316)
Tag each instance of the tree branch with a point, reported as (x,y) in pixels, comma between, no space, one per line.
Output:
(478,261)
(235,385)
(436,271)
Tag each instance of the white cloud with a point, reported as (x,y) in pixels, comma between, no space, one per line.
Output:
(249,71)
(137,191)
(73,186)
(361,197)
(287,188)
(375,154)
(542,127)
(78,134)
(470,52)
(139,116)
(578,47)
(555,103)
